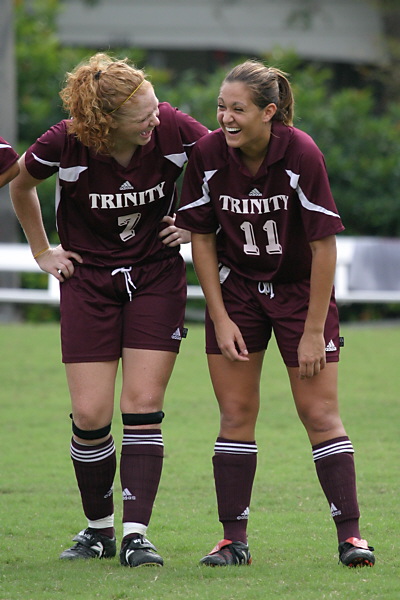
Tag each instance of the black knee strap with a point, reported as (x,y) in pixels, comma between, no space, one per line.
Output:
(142,418)
(94,434)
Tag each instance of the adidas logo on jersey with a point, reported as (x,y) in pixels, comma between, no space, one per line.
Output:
(126,186)
(330,347)
(127,495)
(255,192)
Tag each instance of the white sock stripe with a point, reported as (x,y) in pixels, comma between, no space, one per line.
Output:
(339,451)
(101,523)
(234,448)
(92,455)
(133,440)
(156,436)
(84,458)
(339,447)
(134,528)
(334,446)
(126,443)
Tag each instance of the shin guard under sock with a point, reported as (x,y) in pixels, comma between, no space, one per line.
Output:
(95,468)
(334,463)
(234,470)
(140,470)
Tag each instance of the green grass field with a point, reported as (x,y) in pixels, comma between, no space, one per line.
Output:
(291,535)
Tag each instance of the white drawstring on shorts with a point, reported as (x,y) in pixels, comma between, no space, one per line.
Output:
(265,287)
(128,281)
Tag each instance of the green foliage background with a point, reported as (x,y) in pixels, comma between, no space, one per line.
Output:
(358,134)
(357,128)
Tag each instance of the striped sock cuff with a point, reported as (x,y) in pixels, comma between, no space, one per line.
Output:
(336,446)
(89,454)
(223,446)
(135,438)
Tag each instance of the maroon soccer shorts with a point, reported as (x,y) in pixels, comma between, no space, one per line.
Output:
(104,310)
(281,308)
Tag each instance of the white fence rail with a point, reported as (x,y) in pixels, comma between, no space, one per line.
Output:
(368,271)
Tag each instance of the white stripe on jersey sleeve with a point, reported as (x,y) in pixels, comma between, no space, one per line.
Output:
(45,162)
(178,159)
(71,173)
(205,198)
(66,174)
(294,184)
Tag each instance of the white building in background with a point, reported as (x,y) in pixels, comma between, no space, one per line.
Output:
(337,31)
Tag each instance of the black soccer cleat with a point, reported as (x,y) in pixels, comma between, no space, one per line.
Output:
(91,544)
(356,553)
(227,553)
(139,552)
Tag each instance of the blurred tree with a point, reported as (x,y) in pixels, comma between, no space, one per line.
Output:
(387,76)
(359,136)
(361,143)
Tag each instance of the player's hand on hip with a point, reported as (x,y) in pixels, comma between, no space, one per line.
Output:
(57,262)
(172,235)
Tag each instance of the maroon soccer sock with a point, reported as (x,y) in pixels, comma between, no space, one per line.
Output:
(334,463)
(140,470)
(95,468)
(234,470)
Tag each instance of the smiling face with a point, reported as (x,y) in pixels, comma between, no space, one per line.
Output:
(136,120)
(245,126)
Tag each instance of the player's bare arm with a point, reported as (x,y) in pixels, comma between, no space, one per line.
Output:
(26,204)
(229,338)
(9,174)
(311,351)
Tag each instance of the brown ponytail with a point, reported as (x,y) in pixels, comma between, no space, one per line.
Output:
(267,85)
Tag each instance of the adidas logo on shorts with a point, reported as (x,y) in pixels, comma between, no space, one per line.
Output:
(176,335)
(330,347)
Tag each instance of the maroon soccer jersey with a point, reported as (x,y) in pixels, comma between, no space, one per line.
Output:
(264,223)
(108,213)
(8,156)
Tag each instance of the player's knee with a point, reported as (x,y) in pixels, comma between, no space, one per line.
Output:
(316,421)
(238,425)
(90,434)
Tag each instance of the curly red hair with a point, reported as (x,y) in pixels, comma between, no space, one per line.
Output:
(92,91)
